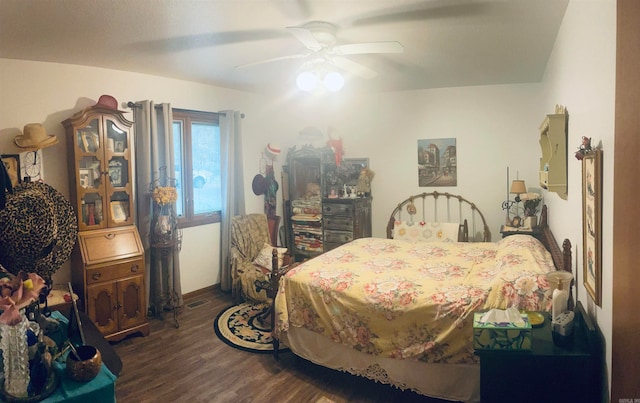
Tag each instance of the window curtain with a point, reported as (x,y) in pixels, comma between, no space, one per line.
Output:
(232,187)
(154,158)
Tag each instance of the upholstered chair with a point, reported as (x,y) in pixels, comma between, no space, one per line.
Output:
(251,254)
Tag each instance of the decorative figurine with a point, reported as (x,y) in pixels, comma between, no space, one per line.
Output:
(364,181)
(585,148)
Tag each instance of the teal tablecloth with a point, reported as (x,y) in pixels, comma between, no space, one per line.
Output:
(101,389)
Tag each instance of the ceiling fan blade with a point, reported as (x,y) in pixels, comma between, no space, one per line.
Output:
(369,47)
(273,59)
(305,36)
(353,67)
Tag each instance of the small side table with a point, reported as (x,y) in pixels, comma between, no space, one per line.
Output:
(547,373)
(506,230)
(164,251)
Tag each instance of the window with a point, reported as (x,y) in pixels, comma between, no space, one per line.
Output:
(196,144)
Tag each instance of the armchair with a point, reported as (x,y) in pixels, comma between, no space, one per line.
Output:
(249,234)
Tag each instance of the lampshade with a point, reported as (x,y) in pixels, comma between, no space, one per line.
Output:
(333,81)
(518,187)
(307,81)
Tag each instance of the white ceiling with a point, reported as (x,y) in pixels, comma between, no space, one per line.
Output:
(447,42)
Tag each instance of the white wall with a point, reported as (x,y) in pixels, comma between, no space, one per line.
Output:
(581,76)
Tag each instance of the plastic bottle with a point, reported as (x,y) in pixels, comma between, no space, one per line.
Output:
(559,301)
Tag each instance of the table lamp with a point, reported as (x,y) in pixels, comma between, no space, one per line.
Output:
(517,187)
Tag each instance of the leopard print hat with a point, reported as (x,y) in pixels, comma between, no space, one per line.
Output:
(38,229)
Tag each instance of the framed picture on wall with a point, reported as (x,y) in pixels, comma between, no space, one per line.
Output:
(12,164)
(592,224)
(437,162)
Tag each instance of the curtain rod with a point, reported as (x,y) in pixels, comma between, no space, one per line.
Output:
(241,115)
(132,105)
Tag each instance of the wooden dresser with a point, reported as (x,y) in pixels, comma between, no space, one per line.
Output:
(108,267)
(345,220)
(320,212)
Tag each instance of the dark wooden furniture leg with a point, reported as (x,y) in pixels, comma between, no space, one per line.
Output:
(271,287)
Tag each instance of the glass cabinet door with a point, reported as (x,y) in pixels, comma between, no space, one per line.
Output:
(102,150)
(90,194)
(117,138)
(119,177)
(89,176)
(88,138)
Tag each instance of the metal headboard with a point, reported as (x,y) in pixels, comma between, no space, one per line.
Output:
(442,207)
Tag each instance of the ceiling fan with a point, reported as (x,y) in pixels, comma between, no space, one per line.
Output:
(319,38)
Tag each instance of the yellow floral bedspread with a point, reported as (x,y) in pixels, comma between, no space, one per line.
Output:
(412,300)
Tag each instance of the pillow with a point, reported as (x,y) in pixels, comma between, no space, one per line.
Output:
(424,231)
(264,257)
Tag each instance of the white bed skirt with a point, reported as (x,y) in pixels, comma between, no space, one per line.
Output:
(457,382)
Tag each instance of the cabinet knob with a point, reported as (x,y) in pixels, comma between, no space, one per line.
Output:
(96,276)
(134,268)
(110,236)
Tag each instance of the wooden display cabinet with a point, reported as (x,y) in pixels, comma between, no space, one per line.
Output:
(101,174)
(108,269)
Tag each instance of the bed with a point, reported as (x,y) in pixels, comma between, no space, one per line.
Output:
(399,311)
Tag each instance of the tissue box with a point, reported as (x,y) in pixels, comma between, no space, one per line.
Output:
(501,336)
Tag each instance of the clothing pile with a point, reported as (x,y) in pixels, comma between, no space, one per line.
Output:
(307,224)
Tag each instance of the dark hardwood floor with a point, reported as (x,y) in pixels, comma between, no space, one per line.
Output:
(190,364)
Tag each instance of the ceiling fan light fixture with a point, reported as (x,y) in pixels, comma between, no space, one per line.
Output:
(307,81)
(333,81)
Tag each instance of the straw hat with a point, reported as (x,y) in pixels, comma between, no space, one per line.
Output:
(35,137)
(38,229)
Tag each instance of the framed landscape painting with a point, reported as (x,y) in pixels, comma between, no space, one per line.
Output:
(592,224)
(437,162)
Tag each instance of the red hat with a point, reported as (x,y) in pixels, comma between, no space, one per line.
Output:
(273,150)
(107,102)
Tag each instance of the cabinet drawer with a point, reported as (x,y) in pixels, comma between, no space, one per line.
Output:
(337,236)
(115,271)
(339,223)
(329,246)
(336,209)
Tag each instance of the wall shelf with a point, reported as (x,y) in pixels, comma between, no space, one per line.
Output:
(553,144)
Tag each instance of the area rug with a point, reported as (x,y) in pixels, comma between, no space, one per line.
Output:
(239,327)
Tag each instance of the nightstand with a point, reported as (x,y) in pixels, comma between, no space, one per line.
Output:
(547,373)
(506,230)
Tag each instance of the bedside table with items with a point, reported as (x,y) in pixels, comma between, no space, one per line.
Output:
(507,230)
(547,372)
